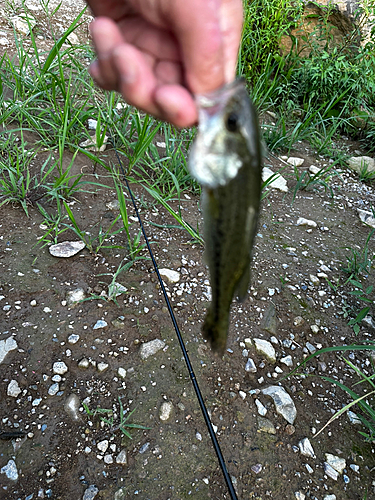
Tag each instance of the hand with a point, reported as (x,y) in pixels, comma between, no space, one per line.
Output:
(158,53)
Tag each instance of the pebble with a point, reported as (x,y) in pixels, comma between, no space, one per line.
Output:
(103,445)
(144,448)
(262,410)
(296,162)
(306,448)
(10,470)
(330,497)
(71,406)
(299,495)
(33,303)
(108,459)
(54,389)
(278,182)
(287,360)
(102,367)
(309,469)
(264,347)
(90,493)
(314,329)
(306,222)
(122,458)
(13,389)
(59,367)
(265,425)
(170,275)
(75,296)
(298,321)
(290,430)
(73,338)
(84,363)
(66,249)
(92,144)
(100,324)
(150,348)
(121,372)
(358,163)
(337,463)
(165,411)
(283,402)
(354,467)
(6,346)
(310,347)
(250,366)
(330,471)
(257,468)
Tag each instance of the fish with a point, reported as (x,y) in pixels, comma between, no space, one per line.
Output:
(226,160)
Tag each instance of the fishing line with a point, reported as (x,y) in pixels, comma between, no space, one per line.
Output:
(182,345)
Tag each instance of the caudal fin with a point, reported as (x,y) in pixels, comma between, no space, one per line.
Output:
(216,331)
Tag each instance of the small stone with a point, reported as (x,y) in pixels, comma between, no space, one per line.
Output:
(121,372)
(360,163)
(266,348)
(265,425)
(103,445)
(299,495)
(73,338)
(10,470)
(54,389)
(296,162)
(75,296)
(59,367)
(36,402)
(298,321)
(170,275)
(71,406)
(108,459)
(13,389)
(144,448)
(242,394)
(250,366)
(257,468)
(269,322)
(314,170)
(165,411)
(150,348)
(366,217)
(6,346)
(314,280)
(330,471)
(33,303)
(287,360)
(330,497)
(102,367)
(100,324)
(283,402)
(309,469)
(310,348)
(90,493)
(122,458)
(355,468)
(290,430)
(278,181)
(66,249)
(84,363)
(92,144)
(306,448)
(314,329)
(306,222)
(337,463)
(262,410)
(23,23)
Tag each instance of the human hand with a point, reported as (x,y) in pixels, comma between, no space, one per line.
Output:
(158,53)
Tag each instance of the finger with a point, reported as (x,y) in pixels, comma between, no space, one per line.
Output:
(231,19)
(106,37)
(176,105)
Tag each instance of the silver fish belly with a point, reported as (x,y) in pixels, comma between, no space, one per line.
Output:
(226,160)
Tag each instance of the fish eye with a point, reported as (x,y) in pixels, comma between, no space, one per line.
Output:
(232,122)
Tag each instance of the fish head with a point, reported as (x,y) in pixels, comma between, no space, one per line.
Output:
(228,136)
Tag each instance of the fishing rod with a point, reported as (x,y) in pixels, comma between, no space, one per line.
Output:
(198,393)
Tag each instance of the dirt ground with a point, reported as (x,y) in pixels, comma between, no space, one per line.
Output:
(59,456)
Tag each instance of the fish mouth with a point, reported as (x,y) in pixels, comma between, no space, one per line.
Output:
(211,103)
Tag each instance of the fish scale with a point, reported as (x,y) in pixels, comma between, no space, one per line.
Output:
(226,160)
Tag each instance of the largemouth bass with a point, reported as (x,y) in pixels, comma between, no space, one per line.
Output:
(226,160)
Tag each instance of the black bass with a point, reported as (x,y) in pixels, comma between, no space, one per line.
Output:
(226,160)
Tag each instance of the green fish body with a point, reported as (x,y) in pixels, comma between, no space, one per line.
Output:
(226,160)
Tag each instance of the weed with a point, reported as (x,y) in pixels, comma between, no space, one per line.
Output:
(115,419)
(359,262)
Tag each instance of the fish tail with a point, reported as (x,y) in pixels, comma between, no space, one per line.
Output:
(216,331)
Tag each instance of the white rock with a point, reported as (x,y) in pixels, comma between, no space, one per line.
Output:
(100,324)
(121,372)
(287,360)
(71,406)
(337,463)
(150,348)
(90,493)
(73,39)
(330,497)
(306,448)
(305,222)
(4,41)
(242,394)
(283,402)
(122,458)
(103,445)
(10,470)
(330,471)
(108,459)
(59,367)
(6,346)
(250,366)
(314,170)
(359,163)
(170,275)
(13,389)
(33,303)
(266,348)
(296,162)
(84,363)
(314,280)
(102,367)
(278,182)
(262,410)
(75,296)
(21,25)
(314,329)
(353,418)
(73,338)
(299,495)
(165,411)
(366,217)
(92,123)
(54,389)
(91,144)
(66,249)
